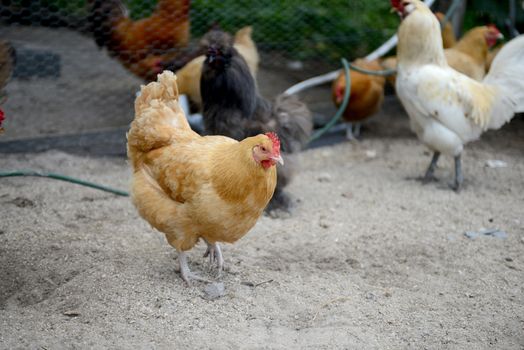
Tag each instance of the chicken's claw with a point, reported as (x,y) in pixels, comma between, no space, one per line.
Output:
(430,173)
(215,255)
(352,131)
(186,274)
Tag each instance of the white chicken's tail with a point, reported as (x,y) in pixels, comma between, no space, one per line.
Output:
(159,119)
(507,76)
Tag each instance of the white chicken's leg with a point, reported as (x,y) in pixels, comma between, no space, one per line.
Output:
(457,185)
(430,173)
(187,275)
(215,254)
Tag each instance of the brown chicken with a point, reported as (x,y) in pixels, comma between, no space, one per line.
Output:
(188,77)
(367,95)
(191,187)
(469,55)
(448,40)
(141,45)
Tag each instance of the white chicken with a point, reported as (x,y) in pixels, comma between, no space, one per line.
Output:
(446,108)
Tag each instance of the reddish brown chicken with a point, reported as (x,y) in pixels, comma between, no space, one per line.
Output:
(141,45)
(367,95)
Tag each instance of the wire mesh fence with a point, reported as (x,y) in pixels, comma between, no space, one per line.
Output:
(79,63)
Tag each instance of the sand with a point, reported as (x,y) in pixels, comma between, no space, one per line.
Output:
(370,258)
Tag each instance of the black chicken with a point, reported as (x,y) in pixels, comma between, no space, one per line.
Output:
(233,107)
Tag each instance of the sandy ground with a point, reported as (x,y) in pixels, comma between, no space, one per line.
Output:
(369,259)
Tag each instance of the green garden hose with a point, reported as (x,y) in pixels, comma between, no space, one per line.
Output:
(63,178)
(341,109)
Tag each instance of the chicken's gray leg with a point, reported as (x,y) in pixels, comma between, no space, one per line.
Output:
(457,185)
(430,173)
(215,254)
(356,130)
(349,132)
(352,131)
(187,275)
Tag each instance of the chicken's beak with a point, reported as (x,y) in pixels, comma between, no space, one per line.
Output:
(278,159)
(397,11)
(500,36)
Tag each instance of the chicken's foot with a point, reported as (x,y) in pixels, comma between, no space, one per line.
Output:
(430,173)
(457,184)
(215,255)
(186,274)
(356,130)
(352,131)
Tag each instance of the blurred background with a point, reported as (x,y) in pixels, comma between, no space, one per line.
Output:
(68,79)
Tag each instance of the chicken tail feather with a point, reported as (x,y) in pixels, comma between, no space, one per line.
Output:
(295,122)
(507,76)
(159,119)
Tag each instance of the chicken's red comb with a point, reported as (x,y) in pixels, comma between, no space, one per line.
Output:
(493,27)
(276,141)
(396,4)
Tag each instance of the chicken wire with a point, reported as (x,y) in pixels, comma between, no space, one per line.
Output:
(63,83)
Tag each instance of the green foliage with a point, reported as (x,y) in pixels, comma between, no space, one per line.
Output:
(297,29)
(480,12)
(140,8)
(327,29)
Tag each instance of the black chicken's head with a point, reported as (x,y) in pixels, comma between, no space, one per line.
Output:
(217,57)
(219,48)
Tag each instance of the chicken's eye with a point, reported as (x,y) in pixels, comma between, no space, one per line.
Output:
(263,149)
